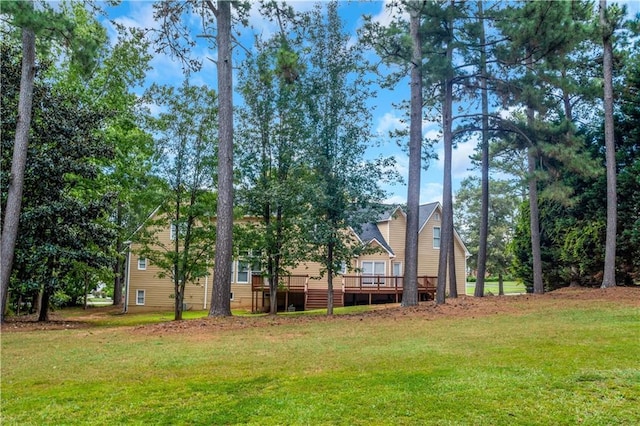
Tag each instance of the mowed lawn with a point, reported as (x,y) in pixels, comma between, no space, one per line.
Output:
(491,287)
(537,366)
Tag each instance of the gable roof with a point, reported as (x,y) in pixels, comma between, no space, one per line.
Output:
(370,232)
(424,214)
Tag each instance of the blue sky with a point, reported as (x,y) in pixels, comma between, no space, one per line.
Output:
(165,70)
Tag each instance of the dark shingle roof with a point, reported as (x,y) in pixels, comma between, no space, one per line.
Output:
(425,212)
(370,232)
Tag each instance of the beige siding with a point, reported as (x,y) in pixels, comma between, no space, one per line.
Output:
(159,292)
(428,255)
(397,235)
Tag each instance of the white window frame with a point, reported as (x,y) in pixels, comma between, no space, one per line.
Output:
(438,239)
(173,229)
(245,270)
(142,264)
(368,276)
(393,269)
(138,293)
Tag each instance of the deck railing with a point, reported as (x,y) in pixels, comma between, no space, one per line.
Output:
(292,283)
(361,283)
(383,282)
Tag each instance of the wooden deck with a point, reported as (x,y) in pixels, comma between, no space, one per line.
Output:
(371,285)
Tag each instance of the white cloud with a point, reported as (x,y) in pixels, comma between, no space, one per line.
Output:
(431,192)
(389,122)
(460,161)
(396,199)
(387,14)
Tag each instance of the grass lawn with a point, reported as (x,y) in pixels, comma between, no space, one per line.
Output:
(541,365)
(491,288)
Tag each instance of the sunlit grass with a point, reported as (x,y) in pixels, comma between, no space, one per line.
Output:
(510,287)
(578,365)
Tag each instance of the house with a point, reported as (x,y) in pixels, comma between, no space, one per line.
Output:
(378,278)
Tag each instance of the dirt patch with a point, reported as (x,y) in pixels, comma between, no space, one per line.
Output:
(462,307)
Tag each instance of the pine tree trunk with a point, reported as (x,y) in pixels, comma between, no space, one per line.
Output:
(484,184)
(453,284)
(220,297)
(534,215)
(330,279)
(446,231)
(534,223)
(609,278)
(410,285)
(18,164)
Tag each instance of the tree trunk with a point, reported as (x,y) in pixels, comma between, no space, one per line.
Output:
(330,279)
(118,267)
(44,304)
(86,290)
(410,285)
(534,215)
(273,293)
(500,284)
(534,223)
(18,163)
(453,284)
(484,184)
(609,277)
(446,231)
(179,290)
(220,297)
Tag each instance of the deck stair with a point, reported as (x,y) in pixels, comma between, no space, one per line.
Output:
(317,299)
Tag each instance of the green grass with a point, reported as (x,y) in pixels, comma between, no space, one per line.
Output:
(510,287)
(107,317)
(552,366)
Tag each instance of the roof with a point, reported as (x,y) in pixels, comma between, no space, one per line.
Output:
(371,232)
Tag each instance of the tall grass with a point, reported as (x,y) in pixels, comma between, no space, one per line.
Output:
(578,365)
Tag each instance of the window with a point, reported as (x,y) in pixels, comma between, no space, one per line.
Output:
(173,228)
(436,217)
(231,296)
(139,297)
(142,263)
(436,237)
(370,269)
(343,268)
(245,266)
(397,269)
(244,270)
